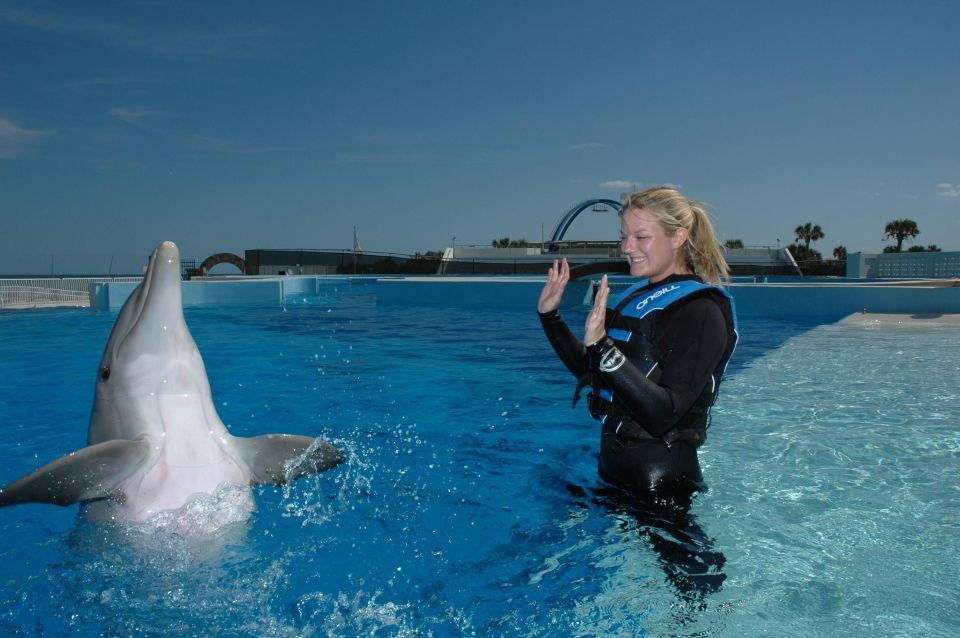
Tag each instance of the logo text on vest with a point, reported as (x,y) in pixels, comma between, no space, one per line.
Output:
(656,295)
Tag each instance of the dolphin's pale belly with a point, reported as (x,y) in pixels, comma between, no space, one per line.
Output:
(188,460)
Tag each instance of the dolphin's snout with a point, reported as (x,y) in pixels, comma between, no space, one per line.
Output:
(167,250)
(165,262)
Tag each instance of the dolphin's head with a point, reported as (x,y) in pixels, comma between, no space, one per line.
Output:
(150,354)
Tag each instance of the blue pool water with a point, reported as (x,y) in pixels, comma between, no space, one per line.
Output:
(469,503)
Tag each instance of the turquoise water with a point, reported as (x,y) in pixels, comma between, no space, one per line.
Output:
(469,503)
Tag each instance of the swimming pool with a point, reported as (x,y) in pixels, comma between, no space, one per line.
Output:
(469,504)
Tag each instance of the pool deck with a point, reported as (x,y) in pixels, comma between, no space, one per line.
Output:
(879,320)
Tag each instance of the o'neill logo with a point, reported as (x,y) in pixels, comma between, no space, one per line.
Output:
(656,295)
(612,360)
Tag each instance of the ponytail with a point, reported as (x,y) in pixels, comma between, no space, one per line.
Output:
(705,257)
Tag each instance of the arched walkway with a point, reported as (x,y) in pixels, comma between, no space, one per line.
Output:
(222,258)
(567,219)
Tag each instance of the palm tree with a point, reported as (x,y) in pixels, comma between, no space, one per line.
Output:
(808,233)
(840,253)
(900,229)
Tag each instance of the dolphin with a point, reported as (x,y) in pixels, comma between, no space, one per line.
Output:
(155,441)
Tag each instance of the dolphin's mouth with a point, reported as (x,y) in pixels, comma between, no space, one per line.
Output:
(143,293)
(145,289)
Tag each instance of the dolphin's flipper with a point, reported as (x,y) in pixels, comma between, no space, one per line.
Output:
(279,458)
(89,473)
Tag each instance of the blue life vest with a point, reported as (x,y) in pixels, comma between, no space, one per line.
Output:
(633,325)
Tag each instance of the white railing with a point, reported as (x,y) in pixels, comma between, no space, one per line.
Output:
(51,291)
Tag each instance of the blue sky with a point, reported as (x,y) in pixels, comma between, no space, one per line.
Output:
(230,126)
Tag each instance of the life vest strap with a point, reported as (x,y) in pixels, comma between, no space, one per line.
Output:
(617,420)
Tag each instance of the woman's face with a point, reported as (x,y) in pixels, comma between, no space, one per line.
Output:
(649,250)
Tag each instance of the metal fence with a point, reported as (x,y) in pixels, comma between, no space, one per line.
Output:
(51,291)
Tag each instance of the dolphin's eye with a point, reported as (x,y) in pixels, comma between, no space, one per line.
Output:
(104,373)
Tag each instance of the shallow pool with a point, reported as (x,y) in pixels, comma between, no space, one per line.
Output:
(469,503)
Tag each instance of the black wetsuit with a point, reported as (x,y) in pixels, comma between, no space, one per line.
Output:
(658,421)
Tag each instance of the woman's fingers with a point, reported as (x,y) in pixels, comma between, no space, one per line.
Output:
(604,292)
(595,328)
(552,292)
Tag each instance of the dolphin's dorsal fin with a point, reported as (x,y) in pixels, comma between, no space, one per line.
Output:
(279,458)
(89,473)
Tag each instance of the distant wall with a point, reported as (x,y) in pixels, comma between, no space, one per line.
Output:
(483,260)
(824,301)
(335,262)
(217,291)
(111,296)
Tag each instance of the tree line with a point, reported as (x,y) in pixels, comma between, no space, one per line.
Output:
(898,230)
(506,242)
(808,258)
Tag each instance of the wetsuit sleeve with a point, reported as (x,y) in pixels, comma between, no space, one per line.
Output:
(693,344)
(565,344)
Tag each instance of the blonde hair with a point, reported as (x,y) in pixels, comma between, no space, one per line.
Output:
(704,256)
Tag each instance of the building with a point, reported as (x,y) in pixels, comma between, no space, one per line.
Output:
(927,265)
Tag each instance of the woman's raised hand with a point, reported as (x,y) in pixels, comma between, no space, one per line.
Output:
(595,328)
(557,278)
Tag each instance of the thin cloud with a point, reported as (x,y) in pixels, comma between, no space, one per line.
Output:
(215,145)
(133,116)
(618,184)
(103,82)
(182,43)
(587,145)
(203,43)
(14,139)
(384,158)
(946,189)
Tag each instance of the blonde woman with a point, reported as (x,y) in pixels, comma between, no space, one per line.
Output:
(655,356)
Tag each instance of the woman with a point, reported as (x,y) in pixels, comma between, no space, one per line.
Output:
(654,359)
